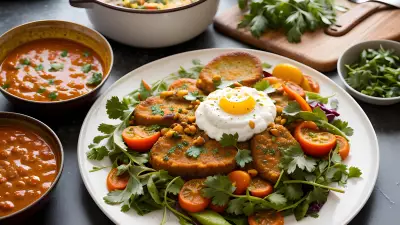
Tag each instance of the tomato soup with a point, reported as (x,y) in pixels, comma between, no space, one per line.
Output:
(28,167)
(51,70)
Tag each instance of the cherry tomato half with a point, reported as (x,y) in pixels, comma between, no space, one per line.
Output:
(344,147)
(260,188)
(139,138)
(313,141)
(241,180)
(115,182)
(268,217)
(190,198)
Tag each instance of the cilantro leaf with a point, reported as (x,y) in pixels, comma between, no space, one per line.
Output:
(134,187)
(196,62)
(258,25)
(95,168)
(236,206)
(229,139)
(97,153)
(321,114)
(243,156)
(86,68)
(5,86)
(194,151)
(293,157)
(25,61)
(218,188)
(318,195)
(292,108)
(106,128)
(156,110)
(293,191)
(354,172)
(115,108)
(176,186)
(95,79)
(343,126)
(53,95)
(277,199)
(99,138)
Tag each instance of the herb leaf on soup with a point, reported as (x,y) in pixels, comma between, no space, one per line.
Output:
(95,79)
(64,53)
(86,68)
(54,67)
(53,95)
(5,86)
(86,53)
(25,61)
(39,67)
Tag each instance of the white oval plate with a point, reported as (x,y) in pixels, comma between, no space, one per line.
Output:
(339,209)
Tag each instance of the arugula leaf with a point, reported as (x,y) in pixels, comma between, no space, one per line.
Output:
(97,153)
(106,128)
(194,151)
(86,68)
(115,108)
(156,110)
(312,96)
(354,172)
(243,156)
(95,79)
(218,188)
(343,126)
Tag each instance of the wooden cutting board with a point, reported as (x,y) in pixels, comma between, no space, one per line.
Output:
(316,49)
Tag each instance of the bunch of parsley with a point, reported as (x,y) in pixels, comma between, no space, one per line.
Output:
(376,73)
(295,17)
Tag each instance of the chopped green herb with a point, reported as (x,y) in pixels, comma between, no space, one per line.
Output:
(41,90)
(86,68)
(17,67)
(64,53)
(95,79)
(39,67)
(179,110)
(25,61)
(54,67)
(194,151)
(53,95)
(166,158)
(5,86)
(156,110)
(86,53)
(51,81)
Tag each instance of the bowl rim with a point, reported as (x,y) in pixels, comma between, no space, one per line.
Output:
(341,75)
(43,126)
(141,11)
(4,92)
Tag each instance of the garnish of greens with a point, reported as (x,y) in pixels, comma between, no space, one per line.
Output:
(304,181)
(377,73)
(243,156)
(147,190)
(295,17)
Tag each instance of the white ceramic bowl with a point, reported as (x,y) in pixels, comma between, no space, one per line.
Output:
(149,28)
(352,55)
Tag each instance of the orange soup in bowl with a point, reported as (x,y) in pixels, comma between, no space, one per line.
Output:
(51,70)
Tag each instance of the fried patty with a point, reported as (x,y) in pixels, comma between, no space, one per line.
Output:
(170,154)
(155,110)
(183,84)
(236,66)
(266,154)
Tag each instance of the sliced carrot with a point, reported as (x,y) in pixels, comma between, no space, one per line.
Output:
(241,180)
(294,95)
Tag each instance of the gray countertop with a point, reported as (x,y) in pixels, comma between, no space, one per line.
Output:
(71,204)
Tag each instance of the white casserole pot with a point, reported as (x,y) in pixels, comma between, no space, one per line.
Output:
(149,28)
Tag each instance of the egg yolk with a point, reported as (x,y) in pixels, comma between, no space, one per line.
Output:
(237,107)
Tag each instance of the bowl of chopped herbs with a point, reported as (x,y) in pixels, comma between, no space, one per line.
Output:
(371,71)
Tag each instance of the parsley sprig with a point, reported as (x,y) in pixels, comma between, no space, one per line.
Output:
(296,17)
(243,156)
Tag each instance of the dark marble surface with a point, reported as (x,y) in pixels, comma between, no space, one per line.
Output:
(71,204)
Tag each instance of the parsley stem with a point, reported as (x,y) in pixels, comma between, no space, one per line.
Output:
(313,184)
(279,179)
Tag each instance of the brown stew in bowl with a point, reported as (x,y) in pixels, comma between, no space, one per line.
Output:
(51,70)
(28,167)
